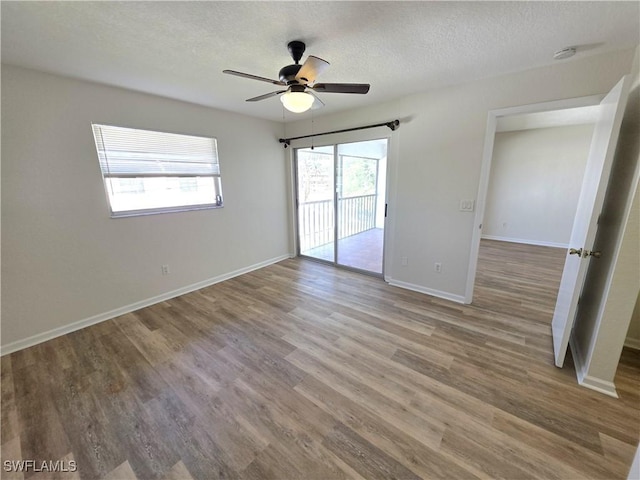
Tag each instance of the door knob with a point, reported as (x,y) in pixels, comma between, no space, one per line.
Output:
(573,251)
(593,253)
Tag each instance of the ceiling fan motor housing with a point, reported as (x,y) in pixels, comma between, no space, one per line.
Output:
(288,74)
(297,88)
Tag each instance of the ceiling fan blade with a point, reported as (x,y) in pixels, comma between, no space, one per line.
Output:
(265,96)
(253,77)
(311,69)
(317,103)
(361,88)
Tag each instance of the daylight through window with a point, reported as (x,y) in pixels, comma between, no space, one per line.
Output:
(153,172)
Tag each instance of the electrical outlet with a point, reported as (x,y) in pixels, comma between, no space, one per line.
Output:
(404,261)
(437,267)
(165,270)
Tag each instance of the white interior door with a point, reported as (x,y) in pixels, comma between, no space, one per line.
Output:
(585,225)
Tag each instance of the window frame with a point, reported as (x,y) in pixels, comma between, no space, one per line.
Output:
(218,200)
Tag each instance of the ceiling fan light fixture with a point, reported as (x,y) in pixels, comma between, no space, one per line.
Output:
(297,102)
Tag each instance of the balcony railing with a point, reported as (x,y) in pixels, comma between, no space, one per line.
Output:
(316,219)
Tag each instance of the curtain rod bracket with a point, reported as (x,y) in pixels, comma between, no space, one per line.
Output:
(391,125)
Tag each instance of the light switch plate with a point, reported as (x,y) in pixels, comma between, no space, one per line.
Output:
(467,205)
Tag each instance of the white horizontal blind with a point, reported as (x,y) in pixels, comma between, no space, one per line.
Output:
(147,172)
(129,152)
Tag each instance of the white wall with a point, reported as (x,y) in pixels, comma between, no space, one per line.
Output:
(612,283)
(633,334)
(64,260)
(436,155)
(535,181)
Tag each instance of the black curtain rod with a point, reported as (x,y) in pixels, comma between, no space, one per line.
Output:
(392,125)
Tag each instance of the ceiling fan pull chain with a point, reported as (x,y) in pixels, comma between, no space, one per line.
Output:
(284,124)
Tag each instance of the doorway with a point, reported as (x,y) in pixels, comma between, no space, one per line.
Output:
(537,168)
(585,223)
(576,111)
(341,203)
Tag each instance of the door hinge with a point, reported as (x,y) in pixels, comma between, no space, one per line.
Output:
(385,209)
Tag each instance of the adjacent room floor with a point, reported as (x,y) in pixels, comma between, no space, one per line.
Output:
(304,371)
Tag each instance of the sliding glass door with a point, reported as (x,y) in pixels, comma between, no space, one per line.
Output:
(316,211)
(341,203)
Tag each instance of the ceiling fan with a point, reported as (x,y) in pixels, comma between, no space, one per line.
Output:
(300,93)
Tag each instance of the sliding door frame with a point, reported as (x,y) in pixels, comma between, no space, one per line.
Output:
(296,203)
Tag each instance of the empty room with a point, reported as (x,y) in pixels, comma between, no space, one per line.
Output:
(320,240)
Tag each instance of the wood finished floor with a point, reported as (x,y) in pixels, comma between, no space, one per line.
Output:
(303,371)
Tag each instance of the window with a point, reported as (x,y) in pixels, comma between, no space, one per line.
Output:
(154,172)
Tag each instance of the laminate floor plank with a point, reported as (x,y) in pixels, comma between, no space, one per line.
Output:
(182,430)
(426,430)
(8,412)
(178,472)
(420,390)
(379,377)
(381,433)
(342,330)
(587,463)
(485,461)
(122,472)
(10,452)
(303,371)
(365,457)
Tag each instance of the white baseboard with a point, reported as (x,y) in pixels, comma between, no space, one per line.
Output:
(632,343)
(428,291)
(540,243)
(101,317)
(602,386)
(584,380)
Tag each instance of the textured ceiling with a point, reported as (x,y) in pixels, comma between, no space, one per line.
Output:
(179,49)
